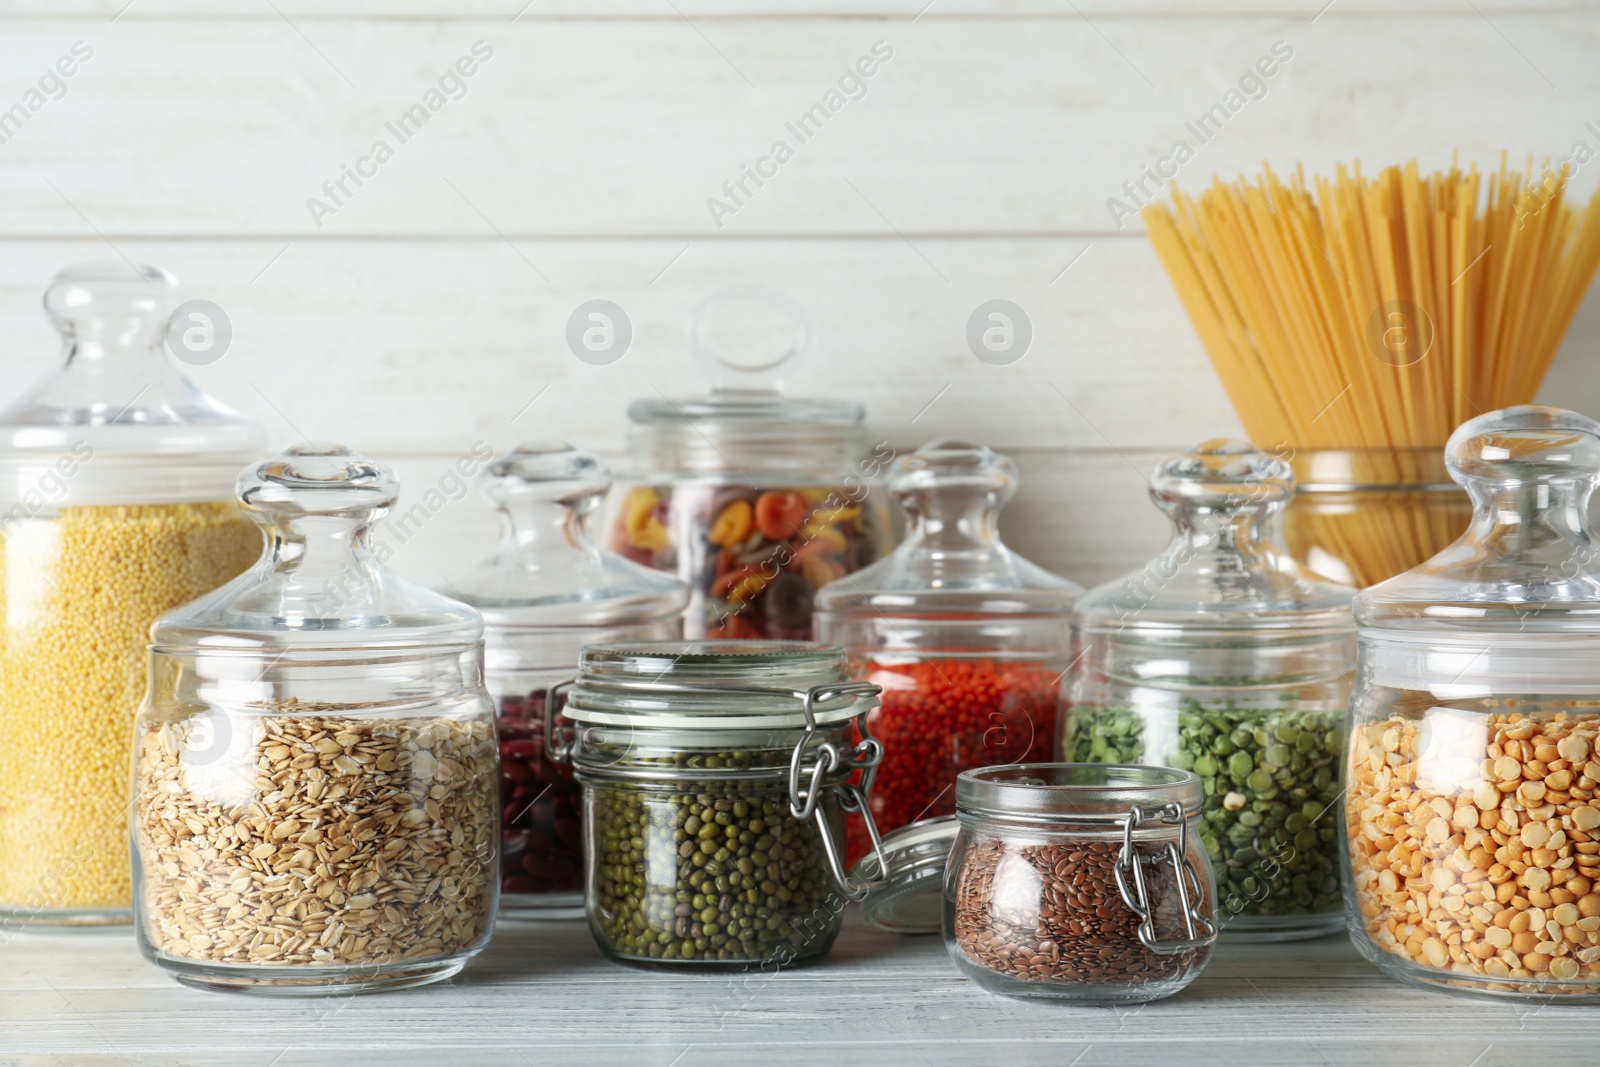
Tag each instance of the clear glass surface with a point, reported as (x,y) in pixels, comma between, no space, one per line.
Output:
(1226,657)
(315,805)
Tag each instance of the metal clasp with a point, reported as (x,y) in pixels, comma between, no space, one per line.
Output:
(864,757)
(557,749)
(1200,931)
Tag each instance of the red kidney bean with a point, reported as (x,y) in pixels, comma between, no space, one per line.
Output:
(541,845)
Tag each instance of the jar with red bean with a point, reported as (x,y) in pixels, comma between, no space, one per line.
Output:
(752,498)
(548,591)
(967,639)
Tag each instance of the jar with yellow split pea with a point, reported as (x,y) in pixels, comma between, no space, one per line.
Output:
(116,505)
(1473,770)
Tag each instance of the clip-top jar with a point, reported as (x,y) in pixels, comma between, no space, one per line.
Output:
(1474,768)
(315,781)
(968,640)
(716,775)
(546,592)
(116,504)
(754,499)
(1225,657)
(1079,882)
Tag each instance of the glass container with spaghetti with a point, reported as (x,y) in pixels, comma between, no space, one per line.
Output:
(1473,768)
(753,499)
(116,488)
(967,639)
(1225,657)
(1355,322)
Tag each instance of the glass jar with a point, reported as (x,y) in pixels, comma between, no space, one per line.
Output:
(1079,882)
(315,782)
(116,502)
(753,499)
(1473,777)
(546,592)
(1360,516)
(1225,657)
(967,639)
(716,775)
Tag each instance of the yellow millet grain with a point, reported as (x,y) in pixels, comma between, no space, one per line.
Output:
(78,593)
(1477,851)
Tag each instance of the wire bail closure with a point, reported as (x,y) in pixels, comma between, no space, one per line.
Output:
(864,758)
(1131,884)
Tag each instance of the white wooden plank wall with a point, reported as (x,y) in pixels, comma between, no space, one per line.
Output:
(429,310)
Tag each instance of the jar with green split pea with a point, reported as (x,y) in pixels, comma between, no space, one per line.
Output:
(1225,657)
(716,776)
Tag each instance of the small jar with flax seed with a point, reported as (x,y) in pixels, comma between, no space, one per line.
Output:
(1079,882)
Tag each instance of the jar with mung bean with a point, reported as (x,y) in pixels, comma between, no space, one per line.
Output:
(116,504)
(1224,657)
(547,591)
(1473,767)
(316,786)
(1079,882)
(716,777)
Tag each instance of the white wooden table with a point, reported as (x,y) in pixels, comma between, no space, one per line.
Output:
(542,994)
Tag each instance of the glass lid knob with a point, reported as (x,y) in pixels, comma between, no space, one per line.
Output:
(318,478)
(1525,444)
(547,470)
(952,465)
(1224,477)
(129,303)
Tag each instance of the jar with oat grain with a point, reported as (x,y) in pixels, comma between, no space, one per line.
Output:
(1473,769)
(316,780)
(1078,882)
(116,504)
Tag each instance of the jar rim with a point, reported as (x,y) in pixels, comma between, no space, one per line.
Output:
(1075,792)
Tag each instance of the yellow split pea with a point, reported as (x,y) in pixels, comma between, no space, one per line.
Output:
(78,593)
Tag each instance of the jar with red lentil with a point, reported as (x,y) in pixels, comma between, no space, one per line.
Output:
(547,591)
(316,780)
(1079,882)
(752,498)
(1473,770)
(967,639)
(116,504)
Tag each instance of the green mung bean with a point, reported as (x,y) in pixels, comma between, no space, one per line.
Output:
(1270,821)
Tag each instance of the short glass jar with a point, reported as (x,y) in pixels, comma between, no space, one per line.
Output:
(1225,657)
(1473,778)
(315,774)
(752,498)
(716,776)
(547,591)
(116,504)
(1360,516)
(968,640)
(1079,882)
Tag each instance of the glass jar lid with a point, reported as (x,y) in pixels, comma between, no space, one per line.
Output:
(140,431)
(953,561)
(547,570)
(1074,792)
(911,900)
(717,685)
(1222,574)
(745,426)
(1516,599)
(317,586)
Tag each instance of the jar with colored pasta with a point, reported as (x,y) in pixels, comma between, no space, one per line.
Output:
(968,640)
(547,591)
(752,498)
(316,779)
(1224,657)
(1473,768)
(116,504)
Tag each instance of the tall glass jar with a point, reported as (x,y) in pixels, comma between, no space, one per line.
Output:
(716,776)
(1079,882)
(315,783)
(1473,777)
(968,640)
(755,500)
(1225,657)
(1362,515)
(546,592)
(116,504)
